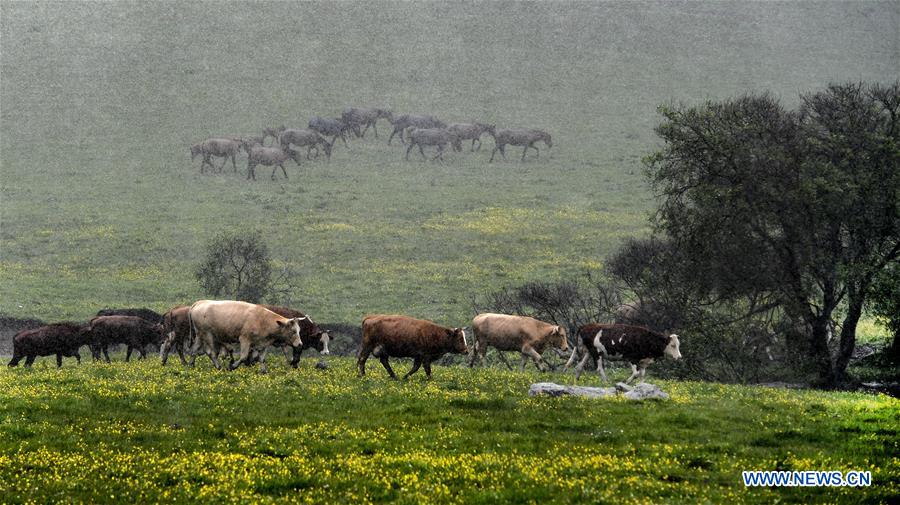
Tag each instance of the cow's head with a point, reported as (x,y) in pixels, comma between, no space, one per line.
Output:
(558,338)
(673,347)
(460,342)
(290,330)
(322,343)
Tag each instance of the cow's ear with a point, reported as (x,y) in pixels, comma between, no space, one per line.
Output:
(280,323)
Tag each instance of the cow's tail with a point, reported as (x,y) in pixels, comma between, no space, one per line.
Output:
(572,357)
(192,331)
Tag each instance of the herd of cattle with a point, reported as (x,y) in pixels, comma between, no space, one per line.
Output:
(415,130)
(214,327)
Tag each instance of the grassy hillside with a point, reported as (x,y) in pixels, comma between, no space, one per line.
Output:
(100,204)
(166,434)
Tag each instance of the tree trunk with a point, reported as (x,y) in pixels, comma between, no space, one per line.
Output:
(848,342)
(820,355)
(894,351)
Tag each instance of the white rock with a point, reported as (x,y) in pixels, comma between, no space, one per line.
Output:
(642,391)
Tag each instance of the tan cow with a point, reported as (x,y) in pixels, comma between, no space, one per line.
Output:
(217,323)
(516,333)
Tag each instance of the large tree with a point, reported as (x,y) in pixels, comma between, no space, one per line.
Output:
(804,204)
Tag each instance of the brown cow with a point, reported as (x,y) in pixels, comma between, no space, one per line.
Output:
(135,332)
(635,344)
(177,330)
(218,323)
(62,339)
(516,333)
(387,336)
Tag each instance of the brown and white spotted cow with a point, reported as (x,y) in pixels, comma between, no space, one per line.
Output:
(218,323)
(635,344)
(395,336)
(522,334)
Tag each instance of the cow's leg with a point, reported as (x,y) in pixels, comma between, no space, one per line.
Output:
(106,353)
(142,349)
(427,366)
(164,348)
(538,360)
(29,360)
(179,346)
(600,369)
(634,373)
(580,367)
(416,364)
(58,360)
(502,357)
(288,356)
(213,352)
(387,366)
(245,354)
(78,357)
(364,352)
(296,352)
(571,358)
(15,359)
(474,355)
(128,353)
(263,368)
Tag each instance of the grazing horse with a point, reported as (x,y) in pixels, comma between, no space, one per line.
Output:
(467,131)
(218,147)
(330,127)
(305,138)
(438,137)
(363,116)
(273,132)
(404,121)
(518,137)
(271,157)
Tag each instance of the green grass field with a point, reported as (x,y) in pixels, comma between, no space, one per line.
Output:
(140,432)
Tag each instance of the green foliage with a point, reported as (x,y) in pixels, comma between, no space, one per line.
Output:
(237,266)
(802,206)
(142,432)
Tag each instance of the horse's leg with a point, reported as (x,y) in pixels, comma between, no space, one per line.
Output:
(422,151)
(523,152)
(283,170)
(233,163)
